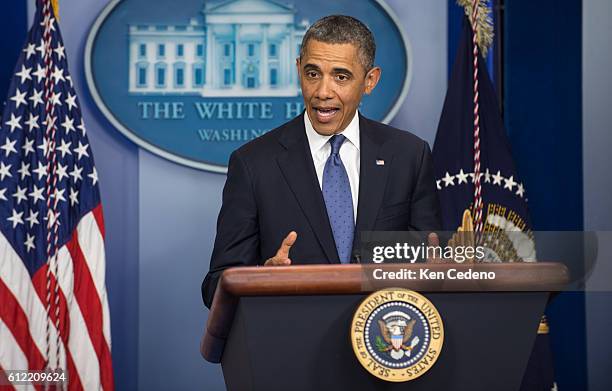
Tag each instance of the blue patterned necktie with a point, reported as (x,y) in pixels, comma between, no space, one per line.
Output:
(338,200)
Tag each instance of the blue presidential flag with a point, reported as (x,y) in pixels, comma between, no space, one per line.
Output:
(507,233)
(504,197)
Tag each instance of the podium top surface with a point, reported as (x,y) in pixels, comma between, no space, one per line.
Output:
(352,279)
(355,279)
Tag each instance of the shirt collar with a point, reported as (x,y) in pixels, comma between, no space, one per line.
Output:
(317,141)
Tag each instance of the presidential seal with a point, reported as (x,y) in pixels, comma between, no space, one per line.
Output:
(397,334)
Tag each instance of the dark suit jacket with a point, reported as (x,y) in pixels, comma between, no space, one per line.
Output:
(272,189)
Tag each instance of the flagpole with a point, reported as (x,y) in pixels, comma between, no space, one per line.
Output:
(52,223)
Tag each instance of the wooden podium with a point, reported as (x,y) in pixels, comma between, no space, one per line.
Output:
(287,327)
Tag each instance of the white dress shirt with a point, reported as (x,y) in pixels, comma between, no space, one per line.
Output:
(349,153)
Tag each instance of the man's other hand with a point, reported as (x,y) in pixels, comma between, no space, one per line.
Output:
(282,255)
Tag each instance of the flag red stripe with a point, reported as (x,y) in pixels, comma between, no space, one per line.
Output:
(40,286)
(87,296)
(40,280)
(99,216)
(16,320)
(3,379)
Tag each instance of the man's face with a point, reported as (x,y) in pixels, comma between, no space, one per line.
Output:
(333,81)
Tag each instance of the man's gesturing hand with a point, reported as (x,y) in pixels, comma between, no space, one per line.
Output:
(282,255)
(434,241)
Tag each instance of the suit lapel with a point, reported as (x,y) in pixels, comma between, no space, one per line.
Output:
(373,172)
(298,169)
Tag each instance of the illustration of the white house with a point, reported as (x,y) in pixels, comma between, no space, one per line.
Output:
(241,48)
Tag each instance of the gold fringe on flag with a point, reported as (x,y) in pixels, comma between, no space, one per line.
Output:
(484,23)
(55,4)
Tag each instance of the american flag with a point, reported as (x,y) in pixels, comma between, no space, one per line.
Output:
(53,303)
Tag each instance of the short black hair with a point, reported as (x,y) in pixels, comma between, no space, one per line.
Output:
(343,29)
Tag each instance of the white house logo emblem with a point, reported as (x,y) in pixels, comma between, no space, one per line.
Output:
(250,58)
(192,80)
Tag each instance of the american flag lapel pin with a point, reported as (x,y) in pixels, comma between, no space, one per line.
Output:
(380,162)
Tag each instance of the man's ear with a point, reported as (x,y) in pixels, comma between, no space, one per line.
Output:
(297,65)
(371,79)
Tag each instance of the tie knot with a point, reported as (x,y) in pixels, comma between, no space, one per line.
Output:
(336,142)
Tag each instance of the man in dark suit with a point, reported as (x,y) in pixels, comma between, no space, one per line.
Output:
(312,184)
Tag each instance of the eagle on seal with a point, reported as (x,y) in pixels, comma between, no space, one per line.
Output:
(396,334)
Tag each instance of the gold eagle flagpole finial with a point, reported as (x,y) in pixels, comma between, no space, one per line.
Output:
(484,23)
